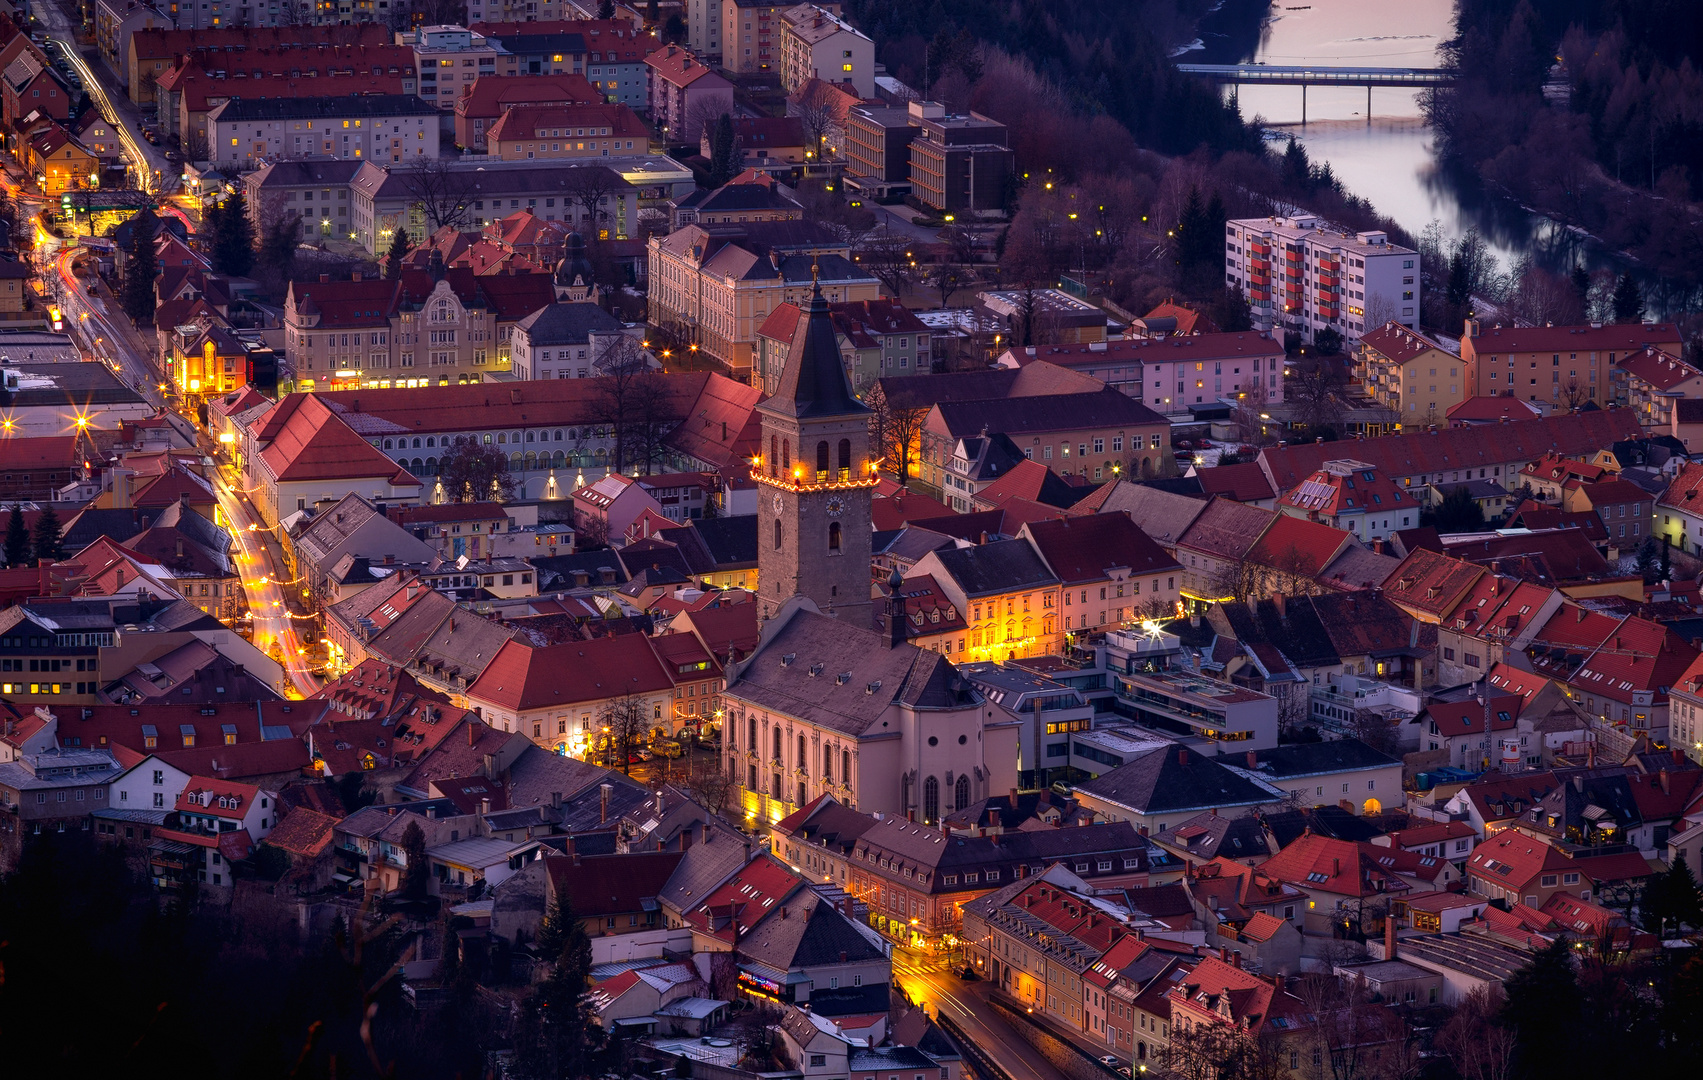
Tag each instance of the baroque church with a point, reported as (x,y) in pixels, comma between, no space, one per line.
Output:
(834,700)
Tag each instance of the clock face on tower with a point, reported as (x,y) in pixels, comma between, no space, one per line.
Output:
(779,504)
(836,506)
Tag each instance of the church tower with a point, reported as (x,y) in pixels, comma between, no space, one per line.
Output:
(814,480)
(574,274)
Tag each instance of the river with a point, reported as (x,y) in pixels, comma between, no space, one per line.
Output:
(1387,157)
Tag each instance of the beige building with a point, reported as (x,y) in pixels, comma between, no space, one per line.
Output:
(817,45)
(582,133)
(1558,367)
(412,332)
(1655,381)
(716,287)
(385,128)
(1409,374)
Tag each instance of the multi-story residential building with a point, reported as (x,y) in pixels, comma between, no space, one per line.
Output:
(1216,711)
(919,875)
(1170,375)
(389,128)
(703,27)
(1679,510)
(556,48)
(152,52)
(1086,433)
(750,36)
(686,94)
(1409,374)
(1046,710)
(558,695)
(815,44)
(383,200)
(877,338)
(451,58)
(1353,495)
(1004,593)
(201,81)
(1110,573)
(492,95)
(717,285)
(1303,275)
(571,132)
(115,21)
(1558,368)
(960,164)
(567,339)
(1655,380)
(314,191)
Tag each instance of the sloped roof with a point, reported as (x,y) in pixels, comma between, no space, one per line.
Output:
(523,676)
(1226,529)
(1169,779)
(312,443)
(1082,549)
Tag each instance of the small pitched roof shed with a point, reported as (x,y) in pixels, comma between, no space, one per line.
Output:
(303,832)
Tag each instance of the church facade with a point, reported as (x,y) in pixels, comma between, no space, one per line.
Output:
(832,700)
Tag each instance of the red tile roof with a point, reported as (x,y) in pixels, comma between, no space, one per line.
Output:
(1522,684)
(1262,927)
(1398,344)
(896,511)
(310,442)
(1468,717)
(1456,449)
(1514,860)
(1558,468)
(1640,657)
(40,452)
(1491,410)
(1685,493)
(602,885)
(678,66)
(522,677)
(1617,337)
(303,832)
(741,903)
(491,94)
(1662,370)
(535,121)
(1085,549)
(1189,321)
(1296,546)
(1325,864)
(1430,584)
(1244,482)
(217,798)
(1334,491)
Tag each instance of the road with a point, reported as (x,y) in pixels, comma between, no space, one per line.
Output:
(928,979)
(273,621)
(153,171)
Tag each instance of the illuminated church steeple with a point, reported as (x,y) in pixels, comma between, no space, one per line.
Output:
(815,478)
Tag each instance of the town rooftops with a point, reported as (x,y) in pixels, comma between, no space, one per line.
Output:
(374,106)
(1603,337)
(1168,779)
(523,677)
(1399,344)
(1176,348)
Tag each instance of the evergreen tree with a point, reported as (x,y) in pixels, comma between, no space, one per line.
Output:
(606,10)
(1582,286)
(46,539)
(650,12)
(416,874)
(555,1036)
(400,245)
(233,243)
(1628,301)
(722,151)
(1545,1011)
(1459,289)
(140,269)
(1297,168)
(17,538)
(277,256)
(553,932)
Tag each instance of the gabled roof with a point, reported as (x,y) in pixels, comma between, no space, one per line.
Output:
(995,568)
(1430,584)
(1082,549)
(1492,410)
(603,885)
(523,677)
(1225,529)
(1244,482)
(310,442)
(1323,864)
(1468,717)
(1168,779)
(1299,547)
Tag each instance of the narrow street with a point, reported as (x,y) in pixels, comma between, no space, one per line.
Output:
(273,621)
(151,170)
(929,980)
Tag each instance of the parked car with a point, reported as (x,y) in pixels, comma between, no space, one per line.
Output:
(667,748)
(151,135)
(636,757)
(1111,1062)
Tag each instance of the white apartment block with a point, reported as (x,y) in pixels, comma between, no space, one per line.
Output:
(382,128)
(1300,274)
(818,45)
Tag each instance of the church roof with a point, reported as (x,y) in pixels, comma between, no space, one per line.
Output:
(814,382)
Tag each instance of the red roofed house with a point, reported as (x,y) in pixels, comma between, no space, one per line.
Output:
(482,103)
(1623,506)
(1352,495)
(1243,482)
(1655,379)
(765,142)
(1291,552)
(610,506)
(878,338)
(1679,511)
(1220,993)
(1173,318)
(1110,571)
(309,454)
(1495,616)
(1516,867)
(1512,360)
(217,823)
(526,132)
(735,908)
(1549,475)
(562,695)
(1342,879)
(1625,680)
(32,469)
(1409,374)
(1470,732)
(685,94)
(1429,585)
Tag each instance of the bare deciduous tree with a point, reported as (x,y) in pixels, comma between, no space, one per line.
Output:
(1474,1039)
(894,433)
(625,719)
(440,190)
(635,404)
(890,258)
(589,188)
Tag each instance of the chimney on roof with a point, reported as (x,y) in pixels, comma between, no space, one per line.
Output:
(555,800)
(472,732)
(603,793)
(1663,777)
(1013,798)
(1253,763)
(1236,959)
(1223,954)
(1182,756)
(484,807)
(431,812)
(705,837)
(1281,603)
(1335,867)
